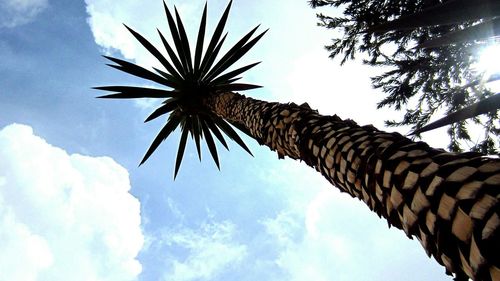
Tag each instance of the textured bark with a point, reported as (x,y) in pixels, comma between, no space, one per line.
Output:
(449,201)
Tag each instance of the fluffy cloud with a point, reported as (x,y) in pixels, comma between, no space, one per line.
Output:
(331,89)
(210,250)
(64,217)
(106,19)
(325,235)
(18,12)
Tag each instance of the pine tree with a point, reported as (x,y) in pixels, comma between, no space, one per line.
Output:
(428,49)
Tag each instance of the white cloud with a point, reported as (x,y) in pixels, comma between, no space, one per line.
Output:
(322,234)
(345,91)
(106,19)
(146,104)
(64,217)
(18,12)
(211,250)
(333,89)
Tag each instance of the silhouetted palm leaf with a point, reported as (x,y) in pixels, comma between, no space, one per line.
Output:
(138,71)
(236,87)
(196,134)
(172,123)
(200,40)
(168,106)
(211,125)
(129,92)
(231,133)
(152,49)
(182,145)
(191,80)
(171,54)
(210,143)
(226,77)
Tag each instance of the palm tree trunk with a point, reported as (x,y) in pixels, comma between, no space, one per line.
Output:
(449,201)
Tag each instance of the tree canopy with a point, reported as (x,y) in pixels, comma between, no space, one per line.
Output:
(423,76)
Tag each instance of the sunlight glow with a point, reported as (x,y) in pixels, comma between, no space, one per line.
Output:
(489,61)
(489,64)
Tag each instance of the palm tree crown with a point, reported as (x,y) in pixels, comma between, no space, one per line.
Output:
(190,79)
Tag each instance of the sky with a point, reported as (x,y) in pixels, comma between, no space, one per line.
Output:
(74,205)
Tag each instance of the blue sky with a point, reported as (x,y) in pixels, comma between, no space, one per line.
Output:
(74,205)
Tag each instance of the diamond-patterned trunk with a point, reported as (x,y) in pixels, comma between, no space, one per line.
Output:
(449,201)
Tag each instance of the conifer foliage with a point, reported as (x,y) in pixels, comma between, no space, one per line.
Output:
(429,50)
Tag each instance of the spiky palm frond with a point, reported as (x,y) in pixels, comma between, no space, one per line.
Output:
(190,79)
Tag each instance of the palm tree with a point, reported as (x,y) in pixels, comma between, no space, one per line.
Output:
(449,201)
